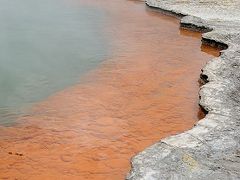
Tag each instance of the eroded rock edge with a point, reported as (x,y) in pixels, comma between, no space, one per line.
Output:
(211,148)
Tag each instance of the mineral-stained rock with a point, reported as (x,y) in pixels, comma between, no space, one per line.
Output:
(211,149)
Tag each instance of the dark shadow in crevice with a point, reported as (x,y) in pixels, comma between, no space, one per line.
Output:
(201,113)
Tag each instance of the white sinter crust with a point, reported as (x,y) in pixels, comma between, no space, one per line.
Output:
(211,149)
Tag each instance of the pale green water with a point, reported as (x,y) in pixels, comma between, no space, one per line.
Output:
(45,46)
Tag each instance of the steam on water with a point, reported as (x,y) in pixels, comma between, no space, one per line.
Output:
(44,46)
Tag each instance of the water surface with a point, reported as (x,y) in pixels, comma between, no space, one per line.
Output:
(45,46)
(145,90)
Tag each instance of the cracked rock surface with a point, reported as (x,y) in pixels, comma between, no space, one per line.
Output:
(211,149)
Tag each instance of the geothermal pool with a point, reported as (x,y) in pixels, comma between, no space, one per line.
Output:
(85,85)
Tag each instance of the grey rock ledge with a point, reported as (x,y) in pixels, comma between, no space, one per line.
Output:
(210,150)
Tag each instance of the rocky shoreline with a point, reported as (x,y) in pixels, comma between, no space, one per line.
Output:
(211,149)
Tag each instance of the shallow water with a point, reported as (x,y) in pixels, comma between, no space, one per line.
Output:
(146,90)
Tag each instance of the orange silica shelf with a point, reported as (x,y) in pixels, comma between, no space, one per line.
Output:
(146,91)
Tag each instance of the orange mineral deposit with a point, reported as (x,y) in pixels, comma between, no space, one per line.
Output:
(147,90)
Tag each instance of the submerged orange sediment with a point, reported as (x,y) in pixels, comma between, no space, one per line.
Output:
(146,91)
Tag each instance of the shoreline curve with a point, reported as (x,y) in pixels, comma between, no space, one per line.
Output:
(211,148)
